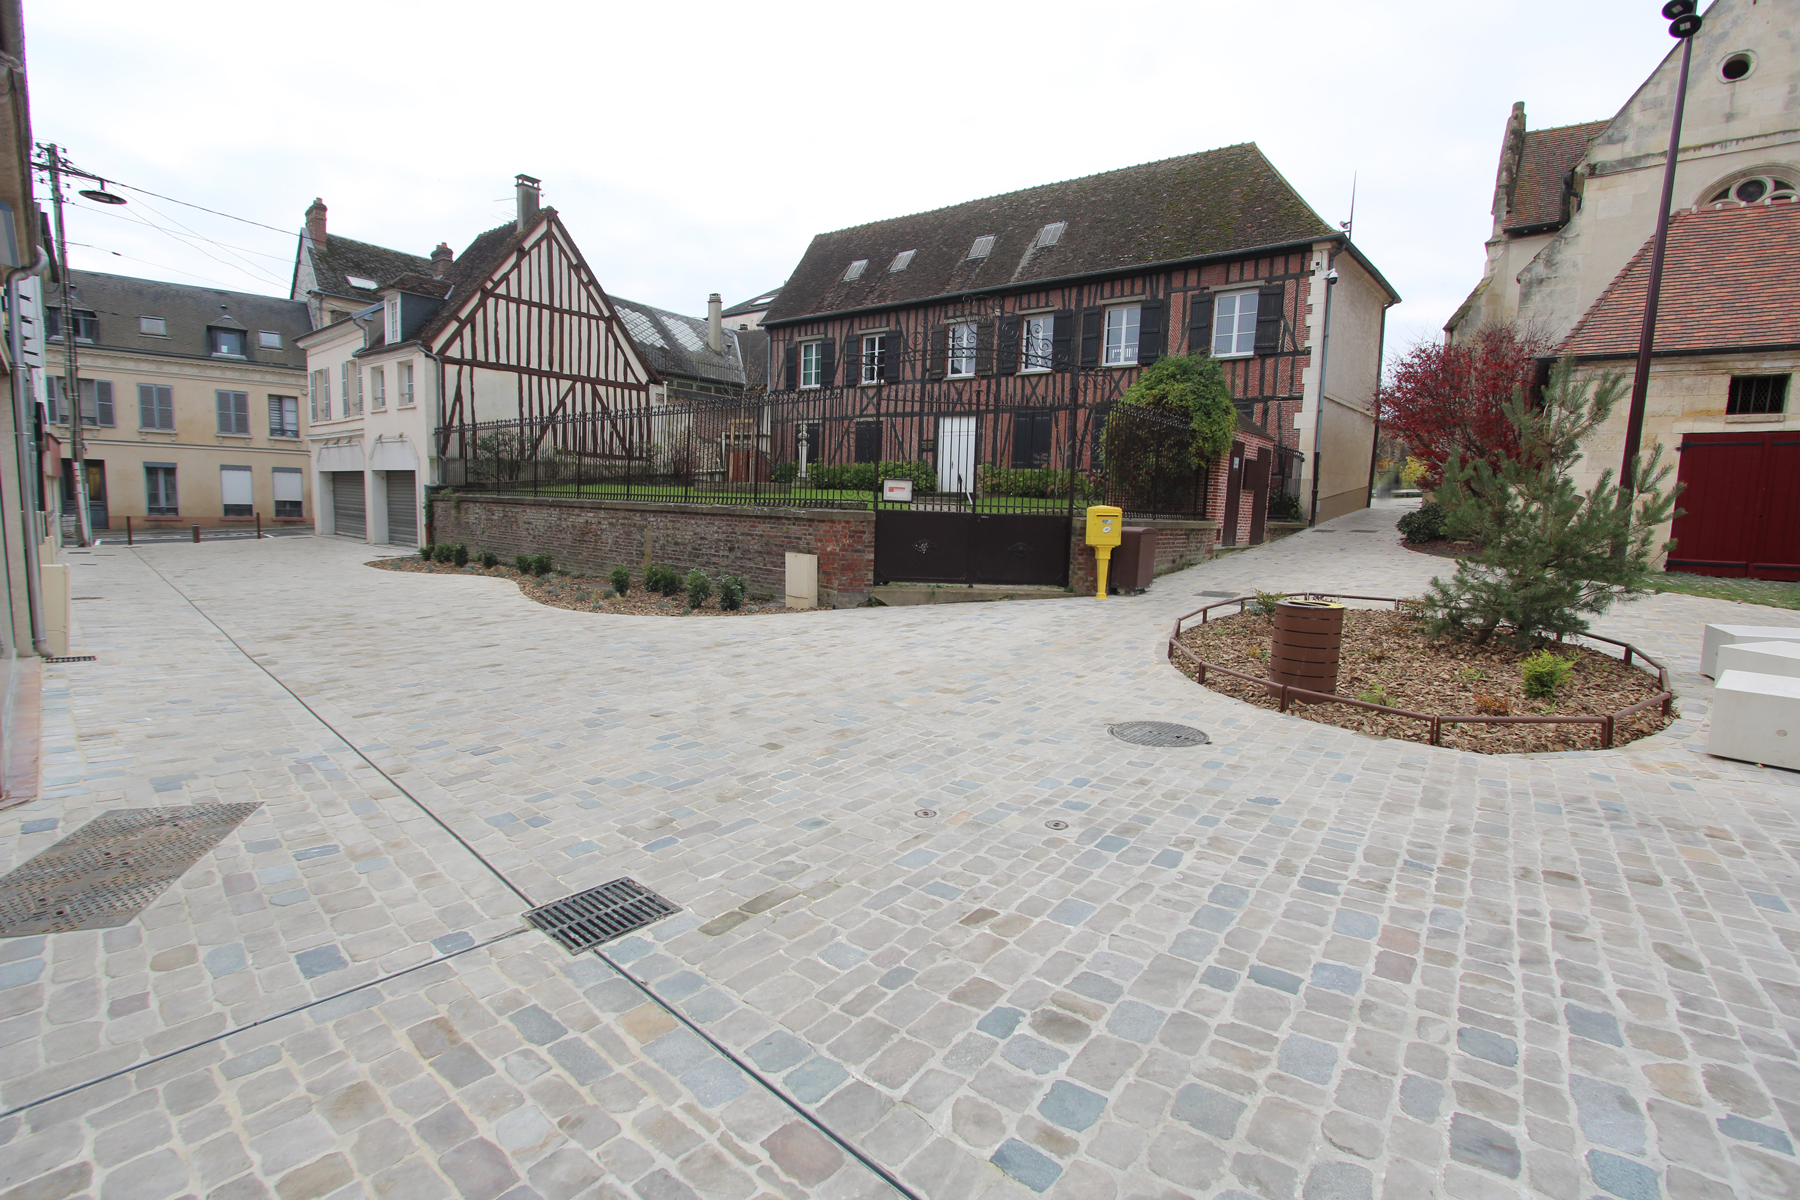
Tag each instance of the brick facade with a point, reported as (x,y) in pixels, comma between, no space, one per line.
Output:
(1179,544)
(1253,442)
(593,536)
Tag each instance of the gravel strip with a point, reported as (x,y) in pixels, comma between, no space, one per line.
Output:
(586,593)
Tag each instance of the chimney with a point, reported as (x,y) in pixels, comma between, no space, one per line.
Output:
(441,258)
(528,200)
(315,223)
(715,325)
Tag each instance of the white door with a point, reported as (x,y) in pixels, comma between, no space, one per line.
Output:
(956,454)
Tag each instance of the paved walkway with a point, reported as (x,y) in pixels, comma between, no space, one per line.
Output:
(1299,962)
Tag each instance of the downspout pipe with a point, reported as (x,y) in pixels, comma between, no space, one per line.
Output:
(432,443)
(1331,278)
(29,467)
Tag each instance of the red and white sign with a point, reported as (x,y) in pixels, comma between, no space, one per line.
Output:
(897,490)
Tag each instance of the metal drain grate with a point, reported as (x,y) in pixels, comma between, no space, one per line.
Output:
(109,870)
(598,915)
(1158,733)
(75,658)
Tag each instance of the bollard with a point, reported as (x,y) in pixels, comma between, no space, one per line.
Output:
(196,534)
(259,527)
(128,531)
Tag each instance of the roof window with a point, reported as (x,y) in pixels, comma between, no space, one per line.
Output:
(154,326)
(1051,234)
(855,269)
(361,282)
(901,261)
(984,246)
(268,339)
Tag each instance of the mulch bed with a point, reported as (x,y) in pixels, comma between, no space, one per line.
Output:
(585,593)
(1387,650)
(1443,549)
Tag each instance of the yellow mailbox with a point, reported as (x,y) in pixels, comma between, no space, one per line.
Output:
(1105,529)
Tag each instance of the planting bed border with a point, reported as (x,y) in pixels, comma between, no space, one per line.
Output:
(1288,693)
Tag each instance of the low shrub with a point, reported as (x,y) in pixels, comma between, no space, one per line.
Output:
(621,581)
(1033,482)
(1377,695)
(867,477)
(731,593)
(1426,524)
(1283,507)
(524,564)
(442,552)
(541,565)
(1492,706)
(785,472)
(489,559)
(460,555)
(699,587)
(425,551)
(1544,672)
(662,580)
(1265,602)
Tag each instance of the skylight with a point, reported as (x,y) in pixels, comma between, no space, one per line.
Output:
(901,261)
(1051,234)
(984,245)
(359,281)
(855,269)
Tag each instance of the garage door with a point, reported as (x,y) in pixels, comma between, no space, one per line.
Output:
(403,509)
(1741,495)
(349,508)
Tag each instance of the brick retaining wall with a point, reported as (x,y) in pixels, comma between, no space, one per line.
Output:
(594,536)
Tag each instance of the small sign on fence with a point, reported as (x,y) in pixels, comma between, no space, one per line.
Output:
(898,491)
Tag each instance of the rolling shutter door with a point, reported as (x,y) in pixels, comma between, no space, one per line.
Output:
(403,509)
(349,509)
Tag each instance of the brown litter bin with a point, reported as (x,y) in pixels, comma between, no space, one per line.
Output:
(1309,636)
(1134,561)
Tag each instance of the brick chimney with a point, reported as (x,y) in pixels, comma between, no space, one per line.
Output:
(715,325)
(528,200)
(315,222)
(441,258)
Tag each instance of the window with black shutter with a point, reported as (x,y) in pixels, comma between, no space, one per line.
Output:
(1091,323)
(940,351)
(1150,332)
(1006,347)
(827,361)
(1200,319)
(1270,301)
(984,347)
(1031,439)
(1062,333)
(868,441)
(893,347)
(791,366)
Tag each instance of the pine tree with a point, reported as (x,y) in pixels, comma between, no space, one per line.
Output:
(1549,555)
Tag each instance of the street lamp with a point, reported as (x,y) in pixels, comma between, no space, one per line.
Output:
(1684,23)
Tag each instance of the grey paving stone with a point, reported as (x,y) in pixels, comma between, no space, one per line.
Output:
(1622,1177)
(1595,1026)
(1136,1022)
(537,1026)
(1308,1058)
(1482,1144)
(1040,1058)
(1339,1181)
(778,1051)
(1608,1114)
(1745,1130)
(1036,1171)
(1208,1110)
(1071,1107)
(814,1080)
(321,960)
(1000,1022)
(1488,1045)
(1421,1098)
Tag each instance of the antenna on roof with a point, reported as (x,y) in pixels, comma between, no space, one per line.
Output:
(1349,226)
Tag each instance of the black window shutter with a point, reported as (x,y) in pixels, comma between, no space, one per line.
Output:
(890,363)
(791,366)
(827,362)
(940,350)
(1062,332)
(1021,440)
(1200,315)
(984,347)
(1150,332)
(853,352)
(1091,319)
(1006,347)
(1270,300)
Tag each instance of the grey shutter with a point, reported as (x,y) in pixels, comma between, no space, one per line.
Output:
(1150,332)
(103,401)
(890,363)
(1006,347)
(984,347)
(1091,326)
(240,410)
(222,401)
(1062,332)
(1269,303)
(147,406)
(827,362)
(940,350)
(1200,318)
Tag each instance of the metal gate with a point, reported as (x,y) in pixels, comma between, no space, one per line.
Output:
(969,547)
(402,509)
(349,507)
(1740,506)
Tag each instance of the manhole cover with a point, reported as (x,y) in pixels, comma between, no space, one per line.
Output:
(1056,824)
(1158,733)
(109,870)
(925,812)
(598,915)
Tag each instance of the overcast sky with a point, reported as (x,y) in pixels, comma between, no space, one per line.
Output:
(697,147)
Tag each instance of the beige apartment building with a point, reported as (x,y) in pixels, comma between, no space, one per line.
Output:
(191,400)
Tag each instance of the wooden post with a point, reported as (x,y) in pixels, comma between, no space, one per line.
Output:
(196,529)
(259,527)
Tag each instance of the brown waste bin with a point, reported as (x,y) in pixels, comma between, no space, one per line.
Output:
(1133,566)
(1308,639)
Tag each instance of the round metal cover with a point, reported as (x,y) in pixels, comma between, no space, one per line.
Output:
(1158,733)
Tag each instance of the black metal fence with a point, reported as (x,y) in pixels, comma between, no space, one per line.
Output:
(835,447)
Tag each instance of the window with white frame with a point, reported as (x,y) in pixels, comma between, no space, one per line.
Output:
(405,382)
(391,311)
(237,492)
(154,326)
(352,381)
(812,364)
(287,492)
(1121,336)
(1036,341)
(962,349)
(159,490)
(234,412)
(97,402)
(321,395)
(378,388)
(156,406)
(1234,324)
(268,339)
(284,416)
(874,357)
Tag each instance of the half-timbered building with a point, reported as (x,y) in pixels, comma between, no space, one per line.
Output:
(998,333)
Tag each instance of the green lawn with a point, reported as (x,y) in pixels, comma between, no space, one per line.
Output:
(1745,591)
(776,495)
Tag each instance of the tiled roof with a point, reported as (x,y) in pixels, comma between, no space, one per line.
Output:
(757,303)
(1197,205)
(119,300)
(1547,157)
(471,269)
(675,345)
(1731,278)
(341,257)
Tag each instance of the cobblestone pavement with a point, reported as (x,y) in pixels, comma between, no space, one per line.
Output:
(1297,962)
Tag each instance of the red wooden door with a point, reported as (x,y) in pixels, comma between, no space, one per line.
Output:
(1777,551)
(1740,506)
(1234,483)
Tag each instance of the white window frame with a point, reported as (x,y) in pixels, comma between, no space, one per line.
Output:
(1036,350)
(165,490)
(391,311)
(812,364)
(874,357)
(1243,329)
(405,382)
(237,475)
(278,425)
(378,389)
(321,394)
(293,476)
(1122,335)
(959,350)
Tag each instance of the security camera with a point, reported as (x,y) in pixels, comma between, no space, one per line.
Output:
(1331,276)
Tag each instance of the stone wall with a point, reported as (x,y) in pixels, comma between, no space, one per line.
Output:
(1179,544)
(593,536)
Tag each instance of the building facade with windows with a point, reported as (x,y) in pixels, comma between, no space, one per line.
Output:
(190,403)
(1017,321)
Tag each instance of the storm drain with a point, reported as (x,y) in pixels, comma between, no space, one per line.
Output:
(600,914)
(1158,733)
(109,870)
(63,658)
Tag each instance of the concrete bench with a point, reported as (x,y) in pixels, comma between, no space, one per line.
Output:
(1756,718)
(1726,635)
(1761,658)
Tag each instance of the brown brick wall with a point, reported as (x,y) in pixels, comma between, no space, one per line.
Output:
(594,536)
(1178,544)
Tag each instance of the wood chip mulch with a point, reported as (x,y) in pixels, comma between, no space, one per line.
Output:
(1387,651)
(585,593)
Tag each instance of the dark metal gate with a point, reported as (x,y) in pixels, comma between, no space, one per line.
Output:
(968,547)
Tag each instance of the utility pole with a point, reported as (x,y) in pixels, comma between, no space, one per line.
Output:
(71,380)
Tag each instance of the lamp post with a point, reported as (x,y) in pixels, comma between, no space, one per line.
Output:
(1684,23)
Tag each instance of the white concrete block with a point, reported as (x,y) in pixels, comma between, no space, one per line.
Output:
(1761,658)
(1756,718)
(55,582)
(1725,635)
(802,580)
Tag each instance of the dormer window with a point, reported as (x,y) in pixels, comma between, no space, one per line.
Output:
(901,261)
(391,311)
(855,269)
(226,343)
(1051,234)
(984,246)
(153,326)
(87,324)
(1759,187)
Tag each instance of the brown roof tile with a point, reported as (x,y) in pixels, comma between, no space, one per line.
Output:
(1731,278)
(1544,164)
